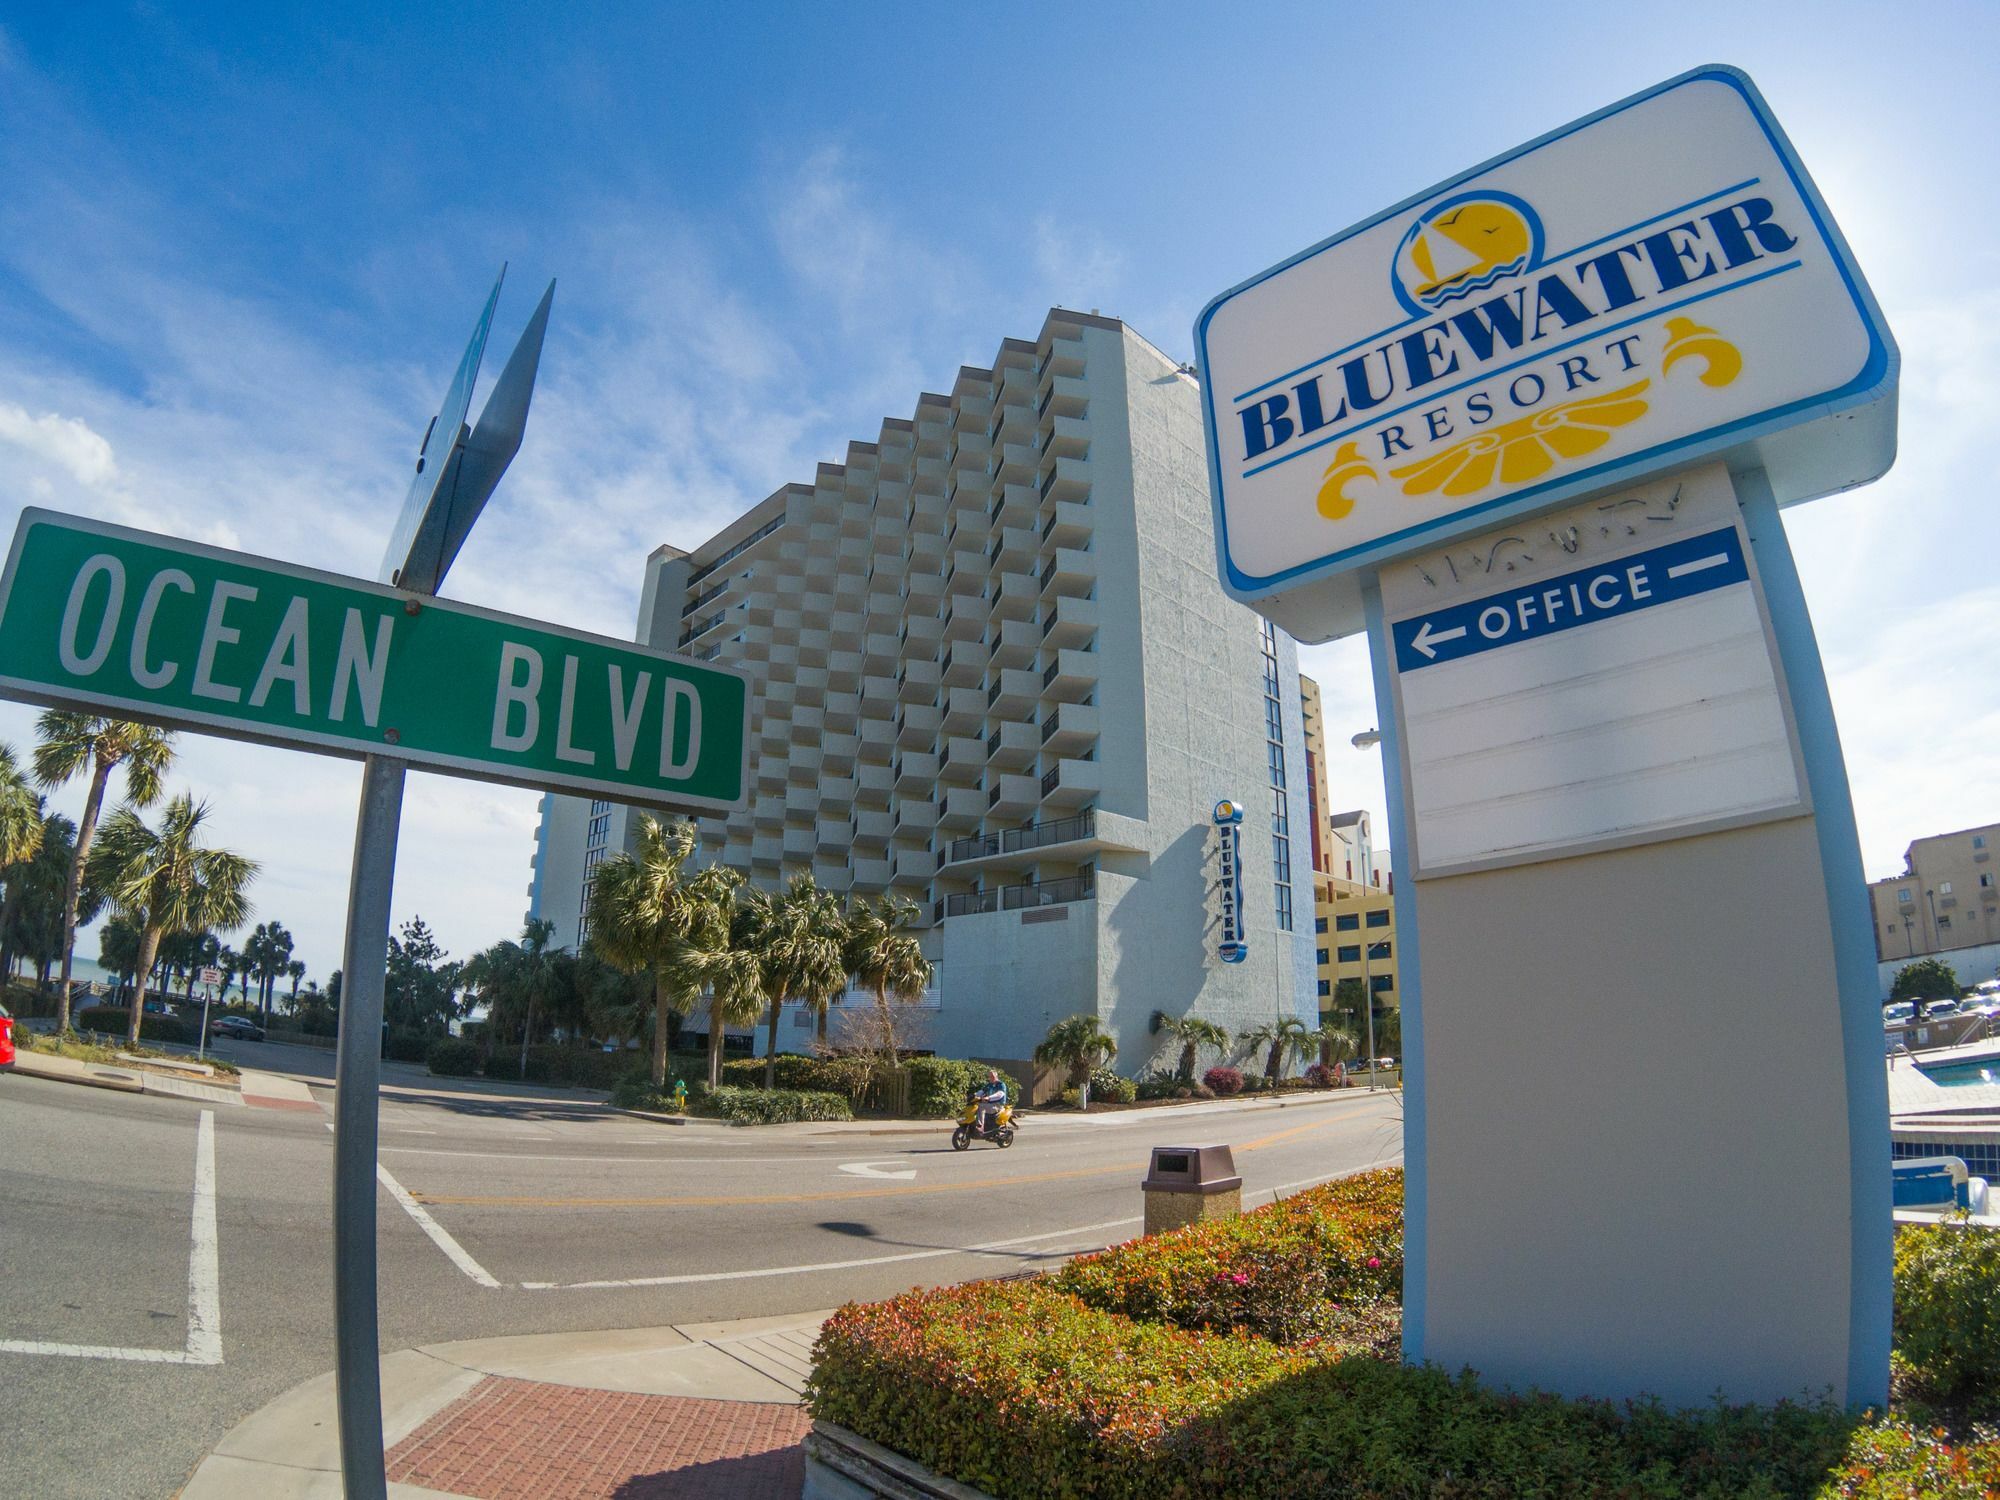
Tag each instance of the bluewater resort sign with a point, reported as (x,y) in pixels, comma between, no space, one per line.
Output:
(1233,946)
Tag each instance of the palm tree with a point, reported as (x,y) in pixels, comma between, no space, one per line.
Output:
(266,954)
(70,744)
(233,963)
(297,970)
(800,941)
(31,917)
(1193,1033)
(638,909)
(708,959)
(167,882)
(885,959)
(516,977)
(1334,1044)
(1286,1035)
(1079,1043)
(118,950)
(20,812)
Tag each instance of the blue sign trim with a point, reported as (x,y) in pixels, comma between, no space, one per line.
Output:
(1876,375)
(1617,586)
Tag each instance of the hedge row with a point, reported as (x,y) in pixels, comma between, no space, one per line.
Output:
(769,1106)
(1030,1393)
(938,1085)
(1327,1262)
(116,1020)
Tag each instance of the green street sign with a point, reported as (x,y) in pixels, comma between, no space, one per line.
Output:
(111,620)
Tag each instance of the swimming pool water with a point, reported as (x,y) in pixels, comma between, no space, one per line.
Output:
(1965,1074)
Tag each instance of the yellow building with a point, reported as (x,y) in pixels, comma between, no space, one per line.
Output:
(1947,898)
(1354,919)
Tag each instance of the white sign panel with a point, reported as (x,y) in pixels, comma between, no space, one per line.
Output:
(1600,677)
(1651,285)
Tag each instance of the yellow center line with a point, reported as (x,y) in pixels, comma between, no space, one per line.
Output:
(734,1200)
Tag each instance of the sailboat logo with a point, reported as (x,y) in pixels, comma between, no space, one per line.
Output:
(1464,245)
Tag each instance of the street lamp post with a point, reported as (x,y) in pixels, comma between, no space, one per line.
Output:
(1368,998)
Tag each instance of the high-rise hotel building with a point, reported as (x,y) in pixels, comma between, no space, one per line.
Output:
(994,672)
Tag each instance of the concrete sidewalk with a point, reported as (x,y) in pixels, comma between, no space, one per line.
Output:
(694,1410)
(129,1079)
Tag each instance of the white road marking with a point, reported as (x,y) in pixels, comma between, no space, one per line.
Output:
(877,1169)
(988,1248)
(664,1160)
(454,1251)
(204,1340)
(204,1335)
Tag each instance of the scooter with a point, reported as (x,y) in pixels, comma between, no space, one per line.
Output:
(1000,1133)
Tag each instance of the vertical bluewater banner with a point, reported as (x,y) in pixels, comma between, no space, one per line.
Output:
(1232,947)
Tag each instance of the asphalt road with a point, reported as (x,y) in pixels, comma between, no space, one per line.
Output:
(512,1211)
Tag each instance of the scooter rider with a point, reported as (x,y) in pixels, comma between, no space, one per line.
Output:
(991,1096)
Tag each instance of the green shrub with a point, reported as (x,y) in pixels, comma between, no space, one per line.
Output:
(1107,1087)
(567,1066)
(769,1106)
(1893,1460)
(408,1046)
(822,1075)
(1159,1086)
(1948,1310)
(1255,1083)
(452,1057)
(1327,1262)
(116,1021)
(1028,1393)
(938,1085)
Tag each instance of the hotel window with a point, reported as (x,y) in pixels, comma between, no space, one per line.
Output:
(1347,922)
(1384,983)
(1322,955)
(1325,989)
(1350,953)
(1281,843)
(1979,841)
(1319,924)
(1903,898)
(1378,918)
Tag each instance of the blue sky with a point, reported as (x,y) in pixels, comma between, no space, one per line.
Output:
(240,248)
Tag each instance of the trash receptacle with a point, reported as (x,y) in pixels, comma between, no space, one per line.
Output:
(1191,1185)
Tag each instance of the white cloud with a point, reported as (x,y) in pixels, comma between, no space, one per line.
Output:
(66,442)
(1080,269)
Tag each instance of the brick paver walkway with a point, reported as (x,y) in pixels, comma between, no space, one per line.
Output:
(526,1440)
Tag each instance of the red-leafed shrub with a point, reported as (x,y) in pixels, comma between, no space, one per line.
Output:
(1224,1081)
(1324,1263)
(1319,1076)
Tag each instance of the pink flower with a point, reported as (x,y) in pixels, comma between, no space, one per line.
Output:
(1374,1263)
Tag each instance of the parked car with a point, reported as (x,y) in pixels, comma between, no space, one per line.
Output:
(1897,1014)
(235,1028)
(1938,1010)
(6,1038)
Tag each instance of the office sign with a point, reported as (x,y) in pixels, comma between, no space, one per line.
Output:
(110,620)
(1603,679)
(1654,284)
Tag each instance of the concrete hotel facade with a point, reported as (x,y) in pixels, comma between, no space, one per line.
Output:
(994,673)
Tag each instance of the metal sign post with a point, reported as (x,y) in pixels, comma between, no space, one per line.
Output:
(115,621)
(210,978)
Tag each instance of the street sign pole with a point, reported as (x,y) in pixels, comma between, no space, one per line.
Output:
(357,1079)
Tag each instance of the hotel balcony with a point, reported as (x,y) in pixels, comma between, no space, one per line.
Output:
(1013,643)
(964,710)
(1016,897)
(964,663)
(1069,524)
(1067,395)
(919,727)
(1012,796)
(967,619)
(1069,437)
(798,844)
(767,849)
(773,770)
(838,752)
(802,797)
(882,652)
(843,712)
(1012,747)
(1070,676)
(914,864)
(843,668)
(1014,595)
(916,771)
(1069,726)
(919,681)
(962,807)
(1012,463)
(1069,622)
(963,761)
(1012,693)
(878,741)
(832,835)
(1069,574)
(1014,550)
(1070,840)
(1015,504)
(872,827)
(873,785)
(808,725)
(870,873)
(1071,783)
